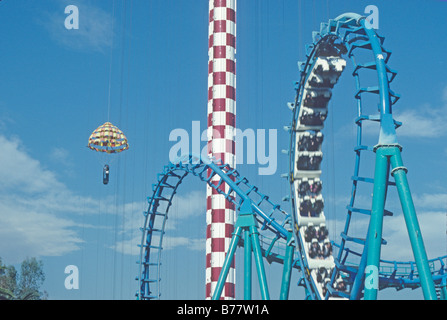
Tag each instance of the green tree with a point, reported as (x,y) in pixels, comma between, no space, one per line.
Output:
(23,286)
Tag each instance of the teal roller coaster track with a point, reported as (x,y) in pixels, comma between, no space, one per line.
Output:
(299,239)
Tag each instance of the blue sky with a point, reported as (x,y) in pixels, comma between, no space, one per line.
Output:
(55,91)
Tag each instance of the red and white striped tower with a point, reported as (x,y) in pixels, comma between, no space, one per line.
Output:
(220,214)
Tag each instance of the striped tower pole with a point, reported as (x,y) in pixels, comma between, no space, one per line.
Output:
(220,214)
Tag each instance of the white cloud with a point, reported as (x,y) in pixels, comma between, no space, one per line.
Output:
(26,183)
(95,27)
(431,201)
(187,243)
(19,170)
(39,213)
(61,157)
(432,225)
(59,154)
(25,233)
(5,117)
(31,199)
(424,121)
(130,246)
(427,121)
(186,206)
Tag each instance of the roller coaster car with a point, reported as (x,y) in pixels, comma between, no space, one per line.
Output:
(318,204)
(313,119)
(317,98)
(308,161)
(311,208)
(322,233)
(304,187)
(310,233)
(310,142)
(316,186)
(309,187)
(327,81)
(105,174)
(330,48)
(327,249)
(315,249)
(322,274)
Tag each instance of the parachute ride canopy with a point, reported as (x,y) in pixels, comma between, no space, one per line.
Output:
(108,139)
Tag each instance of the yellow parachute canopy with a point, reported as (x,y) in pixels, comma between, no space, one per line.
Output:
(108,139)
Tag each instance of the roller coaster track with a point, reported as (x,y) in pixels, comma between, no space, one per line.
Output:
(299,239)
(346,35)
(269,214)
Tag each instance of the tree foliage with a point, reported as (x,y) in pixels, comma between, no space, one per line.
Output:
(24,285)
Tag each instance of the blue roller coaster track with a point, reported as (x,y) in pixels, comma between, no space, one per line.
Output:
(299,239)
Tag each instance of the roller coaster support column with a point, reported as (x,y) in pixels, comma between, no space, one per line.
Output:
(399,172)
(288,262)
(246,222)
(376,226)
(247,265)
(359,280)
(444,289)
(386,155)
